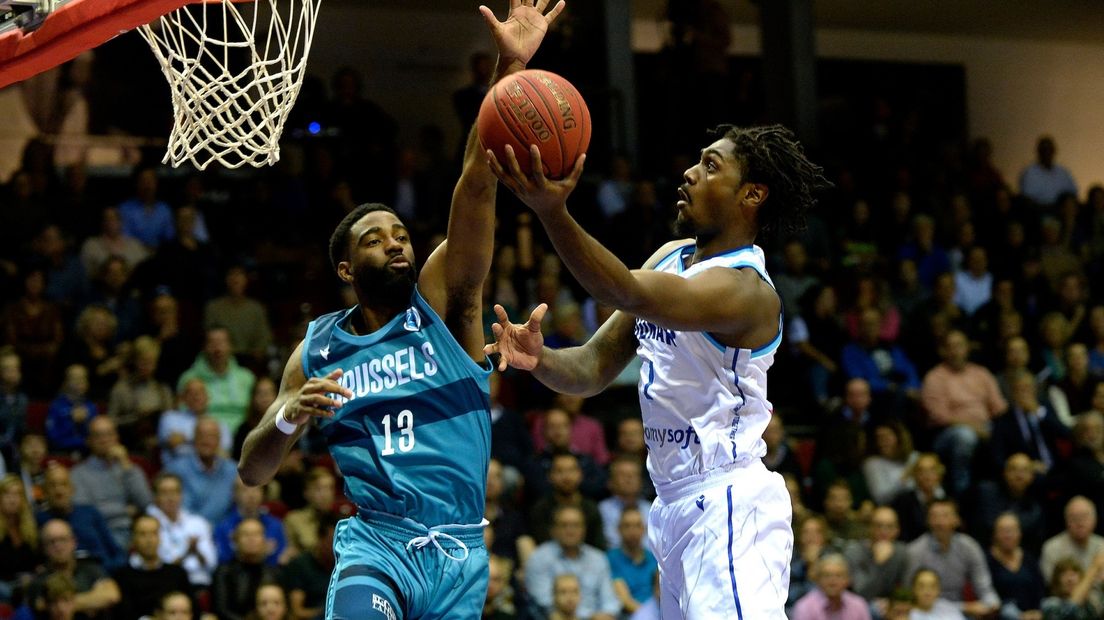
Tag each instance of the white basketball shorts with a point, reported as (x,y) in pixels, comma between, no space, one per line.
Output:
(723,540)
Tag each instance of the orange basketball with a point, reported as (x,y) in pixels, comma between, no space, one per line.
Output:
(535,107)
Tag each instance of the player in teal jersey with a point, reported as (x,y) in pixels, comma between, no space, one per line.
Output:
(398,385)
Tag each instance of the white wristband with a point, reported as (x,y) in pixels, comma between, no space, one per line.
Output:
(282,423)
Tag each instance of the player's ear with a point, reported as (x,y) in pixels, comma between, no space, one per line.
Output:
(755,194)
(344,273)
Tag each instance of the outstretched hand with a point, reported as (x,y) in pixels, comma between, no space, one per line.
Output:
(538,192)
(517,345)
(521,34)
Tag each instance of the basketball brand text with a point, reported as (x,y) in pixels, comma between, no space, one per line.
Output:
(523,109)
(565,108)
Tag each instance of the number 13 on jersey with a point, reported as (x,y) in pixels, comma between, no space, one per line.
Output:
(404,426)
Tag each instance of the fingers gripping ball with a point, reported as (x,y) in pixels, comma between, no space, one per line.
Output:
(536,107)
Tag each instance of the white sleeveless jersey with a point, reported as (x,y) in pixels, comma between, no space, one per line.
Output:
(704,404)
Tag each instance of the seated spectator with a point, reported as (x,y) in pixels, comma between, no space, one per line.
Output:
(511,442)
(92,345)
(830,599)
(307,577)
(270,604)
(145,217)
(69,414)
(567,553)
(1014,494)
(1077,541)
(96,591)
(108,480)
(871,294)
(1085,471)
(1043,181)
(1016,575)
(630,442)
(586,434)
(60,595)
(510,538)
(795,279)
(557,440)
(176,429)
(878,564)
(208,477)
(1079,385)
(261,398)
(13,405)
(33,327)
(812,543)
(780,457)
(111,241)
(844,523)
(816,333)
(927,602)
(633,567)
(887,470)
(146,579)
(973,282)
(625,490)
(930,258)
(235,583)
(1017,359)
(111,292)
(229,384)
(245,318)
(1029,428)
(565,477)
(248,505)
(1054,335)
(885,366)
(841,448)
(960,398)
(932,321)
(499,605)
(18,538)
(301,526)
(93,536)
(138,399)
(956,558)
(185,537)
(1074,594)
(912,503)
(175,606)
(566,595)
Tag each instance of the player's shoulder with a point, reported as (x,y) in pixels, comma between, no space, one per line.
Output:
(666,250)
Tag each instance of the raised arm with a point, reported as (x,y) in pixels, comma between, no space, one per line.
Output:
(452,278)
(734,303)
(299,399)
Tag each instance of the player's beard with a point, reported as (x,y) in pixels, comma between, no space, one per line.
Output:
(685,227)
(386,286)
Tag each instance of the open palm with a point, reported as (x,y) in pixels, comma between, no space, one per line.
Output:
(521,34)
(518,346)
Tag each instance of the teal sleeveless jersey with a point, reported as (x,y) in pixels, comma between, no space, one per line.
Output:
(415,439)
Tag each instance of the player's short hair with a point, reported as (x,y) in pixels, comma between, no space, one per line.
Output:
(772,155)
(339,240)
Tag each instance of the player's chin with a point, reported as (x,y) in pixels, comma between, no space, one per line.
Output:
(684,226)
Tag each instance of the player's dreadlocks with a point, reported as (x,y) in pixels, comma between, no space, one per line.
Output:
(771,155)
(339,240)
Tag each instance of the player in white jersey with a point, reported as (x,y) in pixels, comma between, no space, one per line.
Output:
(705,319)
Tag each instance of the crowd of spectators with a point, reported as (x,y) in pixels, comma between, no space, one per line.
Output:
(939,405)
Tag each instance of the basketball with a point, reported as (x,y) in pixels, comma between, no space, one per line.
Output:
(535,107)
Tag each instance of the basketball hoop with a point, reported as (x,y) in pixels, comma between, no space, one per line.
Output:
(234,74)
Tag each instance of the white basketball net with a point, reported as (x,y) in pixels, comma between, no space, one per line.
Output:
(233,84)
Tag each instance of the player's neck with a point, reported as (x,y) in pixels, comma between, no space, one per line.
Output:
(712,245)
(372,318)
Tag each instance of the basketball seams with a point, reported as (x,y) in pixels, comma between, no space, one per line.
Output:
(553,111)
(509,126)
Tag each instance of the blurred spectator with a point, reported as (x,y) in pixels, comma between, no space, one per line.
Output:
(66,280)
(1056,259)
(1096,326)
(818,336)
(146,579)
(510,441)
(1028,427)
(960,398)
(498,605)
(92,346)
(32,325)
(780,456)
(138,399)
(466,100)
(1054,334)
(60,597)
(930,258)
(956,558)
(587,436)
(1014,494)
(1079,385)
(270,603)
(235,583)
(68,418)
(812,542)
(566,553)
(887,470)
(18,538)
(248,505)
(908,293)
(932,320)
(145,217)
(1016,576)
(885,367)
(245,319)
(927,602)
(985,321)
(187,265)
(111,290)
(565,477)
(557,435)
(229,385)
(32,467)
(795,280)
(878,563)
(93,536)
(1017,360)
(207,477)
(1043,182)
(301,526)
(625,488)
(840,450)
(367,135)
(974,283)
(566,595)
(96,591)
(111,241)
(108,480)
(844,523)
(510,538)
(983,178)
(261,398)
(912,503)
(13,405)
(185,537)
(615,190)
(177,350)
(307,577)
(1071,300)
(831,599)
(633,567)
(1075,594)
(176,429)
(174,606)
(1077,541)
(871,294)
(1085,471)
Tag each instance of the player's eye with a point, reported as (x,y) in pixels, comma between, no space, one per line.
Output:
(710,166)
(373,242)
(401,238)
